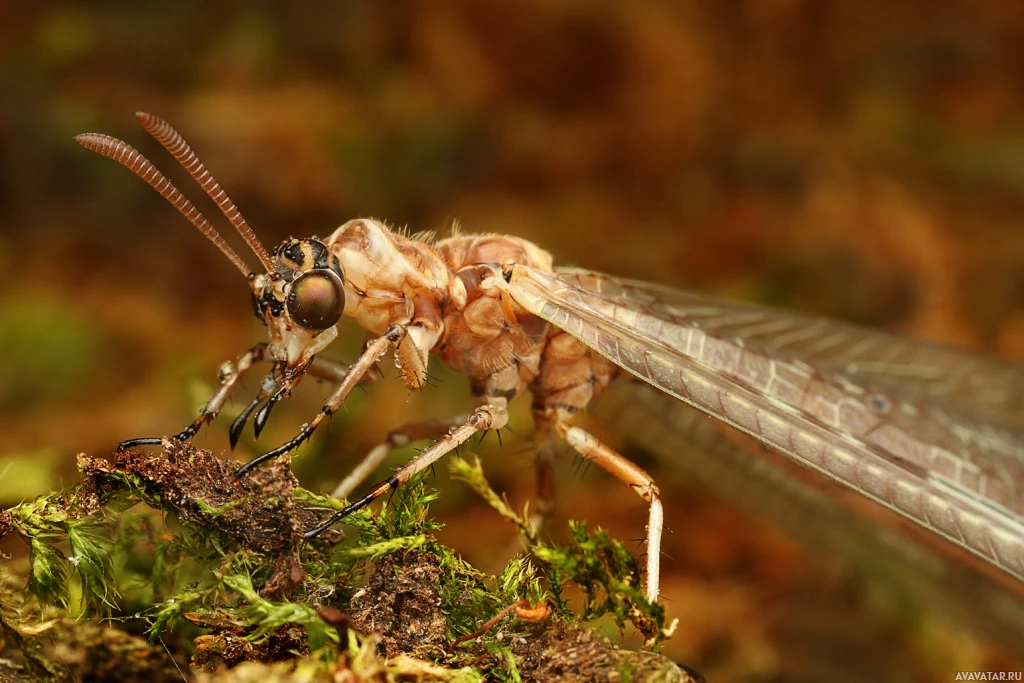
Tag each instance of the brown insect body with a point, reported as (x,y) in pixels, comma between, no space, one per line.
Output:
(448,298)
(932,434)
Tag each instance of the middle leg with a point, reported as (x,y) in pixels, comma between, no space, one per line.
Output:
(493,415)
(403,436)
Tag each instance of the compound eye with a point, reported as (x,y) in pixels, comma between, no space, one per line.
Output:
(316,300)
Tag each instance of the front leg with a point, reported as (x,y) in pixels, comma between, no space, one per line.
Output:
(271,391)
(375,350)
(230,374)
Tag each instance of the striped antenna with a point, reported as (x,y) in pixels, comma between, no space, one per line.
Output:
(173,142)
(134,161)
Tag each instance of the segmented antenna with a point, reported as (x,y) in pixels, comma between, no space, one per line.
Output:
(173,142)
(132,159)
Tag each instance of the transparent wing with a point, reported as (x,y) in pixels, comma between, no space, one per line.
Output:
(927,432)
(991,389)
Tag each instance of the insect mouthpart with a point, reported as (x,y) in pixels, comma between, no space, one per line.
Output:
(266,301)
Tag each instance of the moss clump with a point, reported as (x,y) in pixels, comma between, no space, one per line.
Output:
(180,569)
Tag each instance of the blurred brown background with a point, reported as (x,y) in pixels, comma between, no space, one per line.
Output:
(860,159)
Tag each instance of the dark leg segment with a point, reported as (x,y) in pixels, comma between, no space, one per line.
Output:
(263,414)
(238,424)
(230,373)
(375,350)
(321,368)
(491,416)
(402,436)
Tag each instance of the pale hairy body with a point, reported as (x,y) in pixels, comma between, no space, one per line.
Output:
(451,298)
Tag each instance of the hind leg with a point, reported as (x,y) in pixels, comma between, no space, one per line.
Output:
(587,445)
(544,503)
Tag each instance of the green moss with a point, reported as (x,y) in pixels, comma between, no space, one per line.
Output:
(126,541)
(70,556)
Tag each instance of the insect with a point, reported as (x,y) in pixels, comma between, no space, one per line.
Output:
(934,434)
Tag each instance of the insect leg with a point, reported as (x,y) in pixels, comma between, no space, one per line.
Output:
(403,436)
(267,389)
(230,373)
(334,372)
(544,506)
(493,415)
(321,368)
(589,447)
(375,350)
